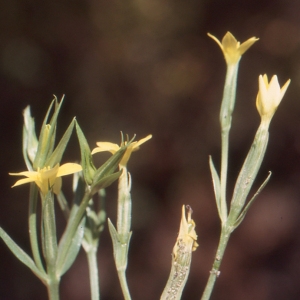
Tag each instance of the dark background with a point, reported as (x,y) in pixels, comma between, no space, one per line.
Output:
(143,67)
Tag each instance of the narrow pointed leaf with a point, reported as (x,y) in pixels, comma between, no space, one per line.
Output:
(110,165)
(105,182)
(120,246)
(57,154)
(86,157)
(217,186)
(21,255)
(74,248)
(46,143)
(245,210)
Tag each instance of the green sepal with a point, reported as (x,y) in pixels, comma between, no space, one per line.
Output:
(109,166)
(57,154)
(47,136)
(245,210)
(120,246)
(105,182)
(217,186)
(22,256)
(74,248)
(86,156)
(29,139)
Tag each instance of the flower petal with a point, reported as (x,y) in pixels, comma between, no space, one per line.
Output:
(68,168)
(29,174)
(106,146)
(246,45)
(23,181)
(142,141)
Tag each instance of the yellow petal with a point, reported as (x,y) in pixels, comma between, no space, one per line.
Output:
(57,186)
(269,96)
(136,145)
(106,146)
(231,48)
(68,168)
(25,173)
(23,181)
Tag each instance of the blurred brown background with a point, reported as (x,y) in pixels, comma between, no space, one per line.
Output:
(147,66)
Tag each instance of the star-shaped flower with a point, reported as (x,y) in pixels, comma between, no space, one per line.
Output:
(113,148)
(48,178)
(231,48)
(269,96)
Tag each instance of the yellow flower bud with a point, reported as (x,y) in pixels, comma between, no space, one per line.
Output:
(269,96)
(231,48)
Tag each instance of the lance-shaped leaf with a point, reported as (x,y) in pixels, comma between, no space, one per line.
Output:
(86,157)
(29,139)
(47,136)
(217,186)
(105,181)
(245,210)
(74,248)
(22,256)
(57,154)
(120,246)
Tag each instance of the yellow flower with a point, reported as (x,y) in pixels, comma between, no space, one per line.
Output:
(48,178)
(113,148)
(187,236)
(231,48)
(269,96)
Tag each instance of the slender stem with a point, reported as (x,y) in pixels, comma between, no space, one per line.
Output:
(214,273)
(224,167)
(227,107)
(33,227)
(93,271)
(124,286)
(53,289)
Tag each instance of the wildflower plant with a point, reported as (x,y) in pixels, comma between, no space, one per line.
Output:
(85,215)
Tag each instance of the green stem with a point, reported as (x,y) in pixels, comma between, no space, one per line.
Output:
(93,271)
(214,273)
(227,107)
(124,286)
(33,236)
(53,289)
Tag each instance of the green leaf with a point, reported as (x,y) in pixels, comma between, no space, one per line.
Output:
(30,142)
(109,166)
(217,186)
(245,210)
(22,256)
(105,182)
(74,248)
(86,157)
(57,154)
(120,246)
(47,136)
